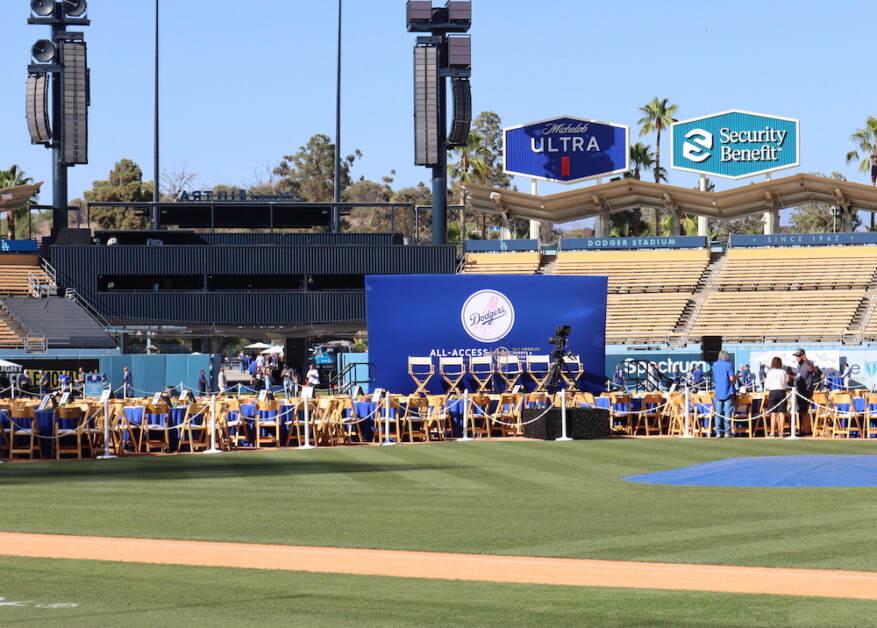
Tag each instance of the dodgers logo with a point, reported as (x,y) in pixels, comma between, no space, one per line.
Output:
(871,368)
(698,148)
(487,316)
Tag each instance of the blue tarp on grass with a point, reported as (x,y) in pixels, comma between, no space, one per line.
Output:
(771,471)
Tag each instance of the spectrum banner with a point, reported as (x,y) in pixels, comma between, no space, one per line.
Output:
(476,315)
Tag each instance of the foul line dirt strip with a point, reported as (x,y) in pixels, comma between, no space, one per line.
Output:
(403,564)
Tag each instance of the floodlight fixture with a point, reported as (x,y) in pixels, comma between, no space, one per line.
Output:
(419,11)
(459,51)
(43,50)
(42,7)
(74,8)
(459,11)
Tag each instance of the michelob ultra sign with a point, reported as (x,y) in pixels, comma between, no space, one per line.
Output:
(735,144)
(566,149)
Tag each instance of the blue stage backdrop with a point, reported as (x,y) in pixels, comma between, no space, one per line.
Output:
(473,315)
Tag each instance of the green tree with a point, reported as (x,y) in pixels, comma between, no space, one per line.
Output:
(488,126)
(819,217)
(10,178)
(125,183)
(311,171)
(747,225)
(420,222)
(864,139)
(368,219)
(657,115)
(471,167)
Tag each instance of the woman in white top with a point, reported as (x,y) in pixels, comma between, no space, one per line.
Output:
(775,383)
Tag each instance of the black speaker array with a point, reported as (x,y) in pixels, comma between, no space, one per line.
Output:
(710,347)
(462,113)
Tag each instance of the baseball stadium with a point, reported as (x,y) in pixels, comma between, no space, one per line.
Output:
(249,409)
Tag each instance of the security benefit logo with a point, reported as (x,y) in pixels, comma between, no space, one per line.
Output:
(487,316)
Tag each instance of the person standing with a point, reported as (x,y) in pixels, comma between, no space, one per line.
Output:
(313,376)
(202,383)
(762,374)
(695,380)
(64,382)
(44,382)
(846,373)
(222,381)
(776,382)
(126,383)
(805,384)
(286,375)
(723,379)
(618,378)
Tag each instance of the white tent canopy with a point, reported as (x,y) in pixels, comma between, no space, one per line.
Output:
(9,367)
(258,345)
(271,350)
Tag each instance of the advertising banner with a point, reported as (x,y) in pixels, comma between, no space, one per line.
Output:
(566,149)
(735,144)
(476,315)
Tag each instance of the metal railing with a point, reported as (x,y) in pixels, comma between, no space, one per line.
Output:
(346,380)
(74,296)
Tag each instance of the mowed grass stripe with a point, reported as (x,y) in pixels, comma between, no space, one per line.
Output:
(169,595)
(514,497)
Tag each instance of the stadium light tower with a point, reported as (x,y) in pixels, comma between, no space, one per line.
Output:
(63,57)
(444,53)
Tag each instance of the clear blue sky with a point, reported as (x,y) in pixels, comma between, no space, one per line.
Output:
(242,85)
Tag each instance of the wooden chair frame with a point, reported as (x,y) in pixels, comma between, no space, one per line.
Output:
(452,370)
(23,427)
(482,370)
(539,369)
(420,376)
(62,436)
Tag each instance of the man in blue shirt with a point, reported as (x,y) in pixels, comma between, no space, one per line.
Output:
(723,378)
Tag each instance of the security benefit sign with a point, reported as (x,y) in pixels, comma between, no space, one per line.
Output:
(463,316)
(566,149)
(735,144)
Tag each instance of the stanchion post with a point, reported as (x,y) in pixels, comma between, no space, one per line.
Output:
(687,433)
(465,416)
(306,395)
(387,440)
(563,435)
(793,423)
(213,449)
(106,455)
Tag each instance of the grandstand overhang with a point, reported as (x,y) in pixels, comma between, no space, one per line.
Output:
(628,194)
(18,196)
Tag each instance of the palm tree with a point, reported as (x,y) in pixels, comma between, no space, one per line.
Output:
(10,178)
(864,139)
(471,167)
(641,158)
(658,116)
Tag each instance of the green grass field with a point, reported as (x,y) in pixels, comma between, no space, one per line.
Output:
(524,498)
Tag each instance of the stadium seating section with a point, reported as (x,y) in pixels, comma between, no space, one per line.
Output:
(818,294)
(16,272)
(526,263)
